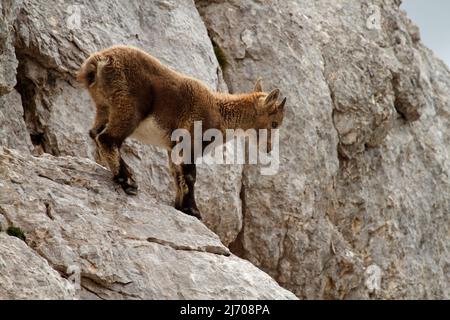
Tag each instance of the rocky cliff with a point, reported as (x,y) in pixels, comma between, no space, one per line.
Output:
(360,206)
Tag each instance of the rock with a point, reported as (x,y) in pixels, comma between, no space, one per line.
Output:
(359,184)
(14,130)
(8,59)
(26,275)
(4,225)
(285,229)
(119,247)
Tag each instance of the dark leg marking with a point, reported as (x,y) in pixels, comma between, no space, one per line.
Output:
(189,205)
(125,179)
(110,151)
(184,178)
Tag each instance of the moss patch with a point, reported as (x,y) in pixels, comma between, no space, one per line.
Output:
(16,232)
(220,55)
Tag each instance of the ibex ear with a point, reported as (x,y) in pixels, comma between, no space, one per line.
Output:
(258,86)
(272,97)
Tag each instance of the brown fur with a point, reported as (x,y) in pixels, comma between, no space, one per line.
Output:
(128,85)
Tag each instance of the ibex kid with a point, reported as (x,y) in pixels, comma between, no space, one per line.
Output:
(135,95)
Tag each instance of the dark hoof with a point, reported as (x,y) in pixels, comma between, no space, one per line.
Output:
(131,190)
(128,185)
(192,212)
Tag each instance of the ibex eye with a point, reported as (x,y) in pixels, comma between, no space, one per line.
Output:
(274,125)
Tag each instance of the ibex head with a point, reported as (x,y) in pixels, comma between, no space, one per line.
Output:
(270,112)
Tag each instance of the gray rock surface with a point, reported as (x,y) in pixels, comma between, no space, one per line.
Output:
(26,275)
(14,129)
(360,206)
(111,245)
(8,61)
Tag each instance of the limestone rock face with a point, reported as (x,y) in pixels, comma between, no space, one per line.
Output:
(108,245)
(362,195)
(26,275)
(14,130)
(359,207)
(8,59)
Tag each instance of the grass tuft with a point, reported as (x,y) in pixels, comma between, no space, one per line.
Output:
(220,55)
(16,232)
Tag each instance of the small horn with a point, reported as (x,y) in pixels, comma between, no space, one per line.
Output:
(258,86)
(281,105)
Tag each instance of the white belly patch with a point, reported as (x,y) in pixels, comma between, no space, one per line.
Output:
(149,132)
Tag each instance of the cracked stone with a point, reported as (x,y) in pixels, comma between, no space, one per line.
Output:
(26,275)
(345,151)
(128,247)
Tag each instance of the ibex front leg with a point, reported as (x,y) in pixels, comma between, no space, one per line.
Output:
(121,123)
(184,178)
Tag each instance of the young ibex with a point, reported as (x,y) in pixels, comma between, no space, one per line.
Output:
(135,95)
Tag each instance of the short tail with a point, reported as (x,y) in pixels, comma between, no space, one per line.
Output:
(90,70)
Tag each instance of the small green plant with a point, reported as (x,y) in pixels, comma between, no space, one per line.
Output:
(220,55)
(16,232)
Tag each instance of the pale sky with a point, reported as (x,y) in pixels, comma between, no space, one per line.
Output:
(433,19)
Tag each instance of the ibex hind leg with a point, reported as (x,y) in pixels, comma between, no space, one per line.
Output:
(101,120)
(100,123)
(110,152)
(122,122)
